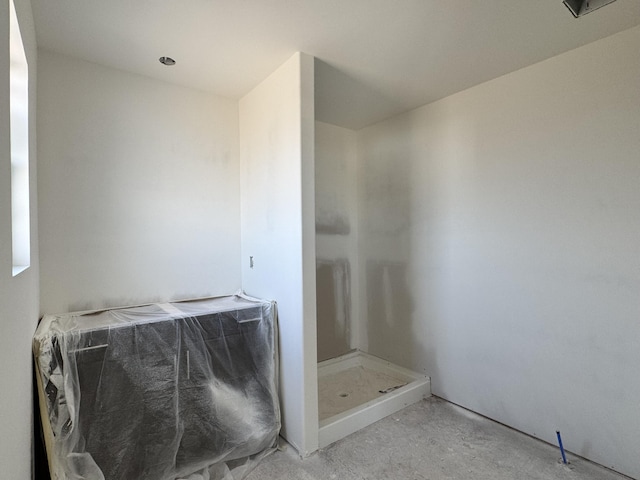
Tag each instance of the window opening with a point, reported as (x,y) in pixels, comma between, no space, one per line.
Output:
(19,113)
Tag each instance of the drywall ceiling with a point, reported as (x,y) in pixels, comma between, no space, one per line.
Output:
(375,58)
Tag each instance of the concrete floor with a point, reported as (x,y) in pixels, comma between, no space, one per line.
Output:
(432,440)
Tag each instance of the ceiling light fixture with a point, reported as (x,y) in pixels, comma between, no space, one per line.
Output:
(168,61)
(582,7)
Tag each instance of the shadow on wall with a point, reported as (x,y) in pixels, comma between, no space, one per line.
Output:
(333,304)
(347,102)
(389,311)
(392,330)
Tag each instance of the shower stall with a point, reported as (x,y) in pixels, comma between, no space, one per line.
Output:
(363,301)
(342,281)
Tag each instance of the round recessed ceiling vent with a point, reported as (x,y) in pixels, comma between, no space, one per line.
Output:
(167,61)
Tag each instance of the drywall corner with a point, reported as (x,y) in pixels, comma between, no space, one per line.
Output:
(278,231)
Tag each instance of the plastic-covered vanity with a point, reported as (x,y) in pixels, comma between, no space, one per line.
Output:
(163,391)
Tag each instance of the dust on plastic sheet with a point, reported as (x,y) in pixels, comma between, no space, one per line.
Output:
(184,390)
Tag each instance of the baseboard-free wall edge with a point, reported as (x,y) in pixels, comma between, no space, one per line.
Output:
(585,459)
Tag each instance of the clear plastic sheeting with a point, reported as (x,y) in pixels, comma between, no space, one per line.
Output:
(184,390)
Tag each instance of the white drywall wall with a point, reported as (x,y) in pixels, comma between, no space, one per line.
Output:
(139,188)
(18,295)
(384,223)
(515,206)
(336,239)
(277,176)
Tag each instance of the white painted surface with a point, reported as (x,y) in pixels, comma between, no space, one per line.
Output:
(139,189)
(378,57)
(516,205)
(339,426)
(20,178)
(336,224)
(18,295)
(276,152)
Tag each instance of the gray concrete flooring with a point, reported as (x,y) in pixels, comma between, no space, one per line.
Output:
(432,440)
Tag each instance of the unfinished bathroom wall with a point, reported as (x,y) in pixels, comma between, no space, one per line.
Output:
(18,294)
(139,189)
(506,221)
(336,239)
(384,243)
(278,235)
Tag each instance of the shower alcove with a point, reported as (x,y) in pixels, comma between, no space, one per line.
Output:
(362,294)
(329,241)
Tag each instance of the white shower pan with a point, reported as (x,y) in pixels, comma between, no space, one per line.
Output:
(350,393)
